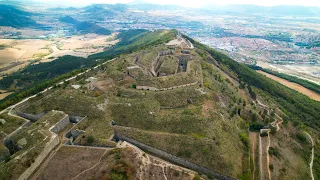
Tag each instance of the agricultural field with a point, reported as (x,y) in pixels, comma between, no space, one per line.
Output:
(4,94)
(15,54)
(297,87)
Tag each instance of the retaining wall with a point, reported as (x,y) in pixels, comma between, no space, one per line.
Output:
(171,158)
(164,89)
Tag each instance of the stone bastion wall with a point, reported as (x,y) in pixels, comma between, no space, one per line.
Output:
(49,147)
(171,158)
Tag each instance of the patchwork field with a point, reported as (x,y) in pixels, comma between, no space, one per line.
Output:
(4,94)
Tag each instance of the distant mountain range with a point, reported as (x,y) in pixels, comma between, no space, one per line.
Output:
(16,17)
(273,10)
(84,26)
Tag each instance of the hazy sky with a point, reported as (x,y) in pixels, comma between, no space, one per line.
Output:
(195,3)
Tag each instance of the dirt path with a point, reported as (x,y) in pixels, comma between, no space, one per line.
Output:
(312,156)
(253,140)
(264,145)
(313,95)
(264,161)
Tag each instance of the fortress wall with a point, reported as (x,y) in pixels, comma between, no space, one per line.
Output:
(31,117)
(60,125)
(171,158)
(44,153)
(164,89)
(75,119)
(49,147)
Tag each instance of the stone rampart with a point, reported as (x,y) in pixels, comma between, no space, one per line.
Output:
(44,153)
(171,158)
(49,147)
(164,89)
(31,117)
(61,124)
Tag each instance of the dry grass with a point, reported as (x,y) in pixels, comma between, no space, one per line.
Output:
(69,162)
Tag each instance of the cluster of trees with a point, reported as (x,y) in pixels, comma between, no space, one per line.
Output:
(20,95)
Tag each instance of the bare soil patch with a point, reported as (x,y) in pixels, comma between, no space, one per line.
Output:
(294,86)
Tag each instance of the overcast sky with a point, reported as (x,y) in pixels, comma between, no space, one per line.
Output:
(194,3)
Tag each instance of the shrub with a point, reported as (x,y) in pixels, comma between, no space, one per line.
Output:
(274,151)
(245,139)
(90,139)
(264,134)
(271,167)
(301,137)
(96,94)
(196,177)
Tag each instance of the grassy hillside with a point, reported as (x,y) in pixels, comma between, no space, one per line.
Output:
(298,109)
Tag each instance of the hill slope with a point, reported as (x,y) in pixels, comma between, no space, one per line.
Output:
(84,26)
(201,111)
(15,17)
